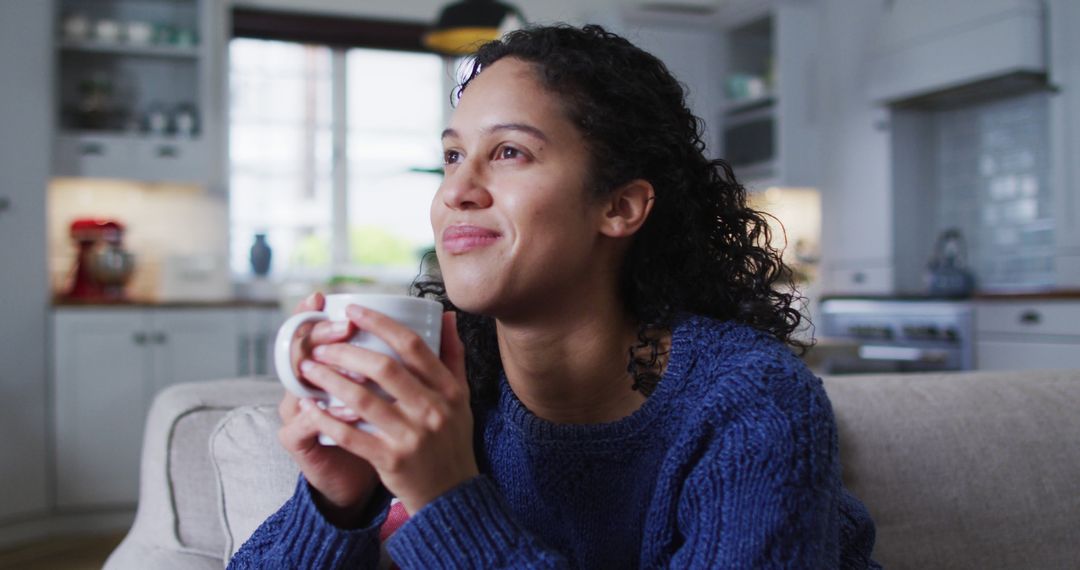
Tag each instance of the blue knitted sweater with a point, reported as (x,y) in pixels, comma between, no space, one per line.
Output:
(731,463)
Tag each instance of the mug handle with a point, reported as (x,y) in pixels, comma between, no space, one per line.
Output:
(282,362)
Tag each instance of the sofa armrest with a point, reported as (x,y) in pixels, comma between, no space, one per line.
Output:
(178,511)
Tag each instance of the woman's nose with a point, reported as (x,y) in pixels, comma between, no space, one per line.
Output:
(464,188)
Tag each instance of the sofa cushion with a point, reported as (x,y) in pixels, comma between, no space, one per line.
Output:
(255,475)
(975,470)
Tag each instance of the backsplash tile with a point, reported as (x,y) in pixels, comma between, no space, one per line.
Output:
(993,174)
(161,220)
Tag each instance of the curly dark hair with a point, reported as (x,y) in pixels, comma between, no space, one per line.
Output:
(702,250)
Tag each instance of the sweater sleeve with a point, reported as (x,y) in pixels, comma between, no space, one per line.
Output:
(471,526)
(765,494)
(298,536)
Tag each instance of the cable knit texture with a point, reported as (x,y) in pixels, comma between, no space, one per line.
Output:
(732,462)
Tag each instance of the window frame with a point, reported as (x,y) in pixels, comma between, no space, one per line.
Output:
(339,34)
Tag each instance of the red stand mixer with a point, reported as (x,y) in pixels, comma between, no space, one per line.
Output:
(102,266)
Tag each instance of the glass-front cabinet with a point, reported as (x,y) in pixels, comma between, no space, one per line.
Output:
(133,90)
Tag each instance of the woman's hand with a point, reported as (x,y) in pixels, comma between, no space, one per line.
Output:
(424,444)
(343,481)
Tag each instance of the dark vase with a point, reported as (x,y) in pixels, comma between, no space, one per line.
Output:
(260,256)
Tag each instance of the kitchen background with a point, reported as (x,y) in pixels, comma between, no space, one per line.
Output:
(919,154)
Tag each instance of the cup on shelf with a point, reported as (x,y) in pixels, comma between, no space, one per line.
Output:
(139,33)
(107,31)
(155,119)
(185,119)
(185,37)
(76,27)
(164,34)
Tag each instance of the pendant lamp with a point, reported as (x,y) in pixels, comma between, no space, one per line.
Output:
(466,25)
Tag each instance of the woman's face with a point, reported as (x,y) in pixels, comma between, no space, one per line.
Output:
(514,228)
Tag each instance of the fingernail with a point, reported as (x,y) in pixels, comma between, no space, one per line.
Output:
(307,366)
(319,351)
(305,404)
(339,326)
(355,310)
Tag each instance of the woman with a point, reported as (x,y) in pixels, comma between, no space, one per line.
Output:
(633,403)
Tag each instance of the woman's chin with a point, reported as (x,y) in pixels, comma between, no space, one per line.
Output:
(470,295)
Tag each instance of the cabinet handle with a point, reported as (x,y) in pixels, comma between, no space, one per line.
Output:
(140,338)
(160,338)
(858,277)
(1030,318)
(242,359)
(167,151)
(92,149)
(5,203)
(260,354)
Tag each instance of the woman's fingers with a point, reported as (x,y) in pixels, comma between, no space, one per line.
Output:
(327,332)
(289,406)
(415,354)
(313,302)
(358,442)
(357,397)
(298,434)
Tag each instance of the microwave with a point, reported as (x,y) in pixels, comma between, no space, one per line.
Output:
(749,139)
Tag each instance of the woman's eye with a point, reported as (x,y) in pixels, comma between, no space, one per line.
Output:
(508,153)
(451,157)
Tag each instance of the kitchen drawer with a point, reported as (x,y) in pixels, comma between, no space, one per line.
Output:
(132,157)
(1029,318)
(96,156)
(1020,355)
(859,280)
(172,160)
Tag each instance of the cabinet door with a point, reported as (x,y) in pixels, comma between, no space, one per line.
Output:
(194,344)
(1026,355)
(267,323)
(798,71)
(259,330)
(101,383)
(25,113)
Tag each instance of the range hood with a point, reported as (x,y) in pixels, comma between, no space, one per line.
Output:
(934,53)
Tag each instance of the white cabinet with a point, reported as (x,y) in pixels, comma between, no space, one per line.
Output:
(258,331)
(857,222)
(108,365)
(798,69)
(1025,335)
(25,101)
(144,158)
(923,46)
(113,92)
(102,385)
(1064,45)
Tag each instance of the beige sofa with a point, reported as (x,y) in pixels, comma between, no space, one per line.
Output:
(973,470)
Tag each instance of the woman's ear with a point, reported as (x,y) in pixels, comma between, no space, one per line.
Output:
(627,208)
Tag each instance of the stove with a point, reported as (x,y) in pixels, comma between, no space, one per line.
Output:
(915,334)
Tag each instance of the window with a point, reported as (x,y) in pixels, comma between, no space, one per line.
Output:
(334,154)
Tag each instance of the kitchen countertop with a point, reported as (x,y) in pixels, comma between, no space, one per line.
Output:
(1058,294)
(62,303)
(1055,294)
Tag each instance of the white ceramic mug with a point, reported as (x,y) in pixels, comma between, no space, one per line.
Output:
(423,316)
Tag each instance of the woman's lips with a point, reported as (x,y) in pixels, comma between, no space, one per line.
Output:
(461,239)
